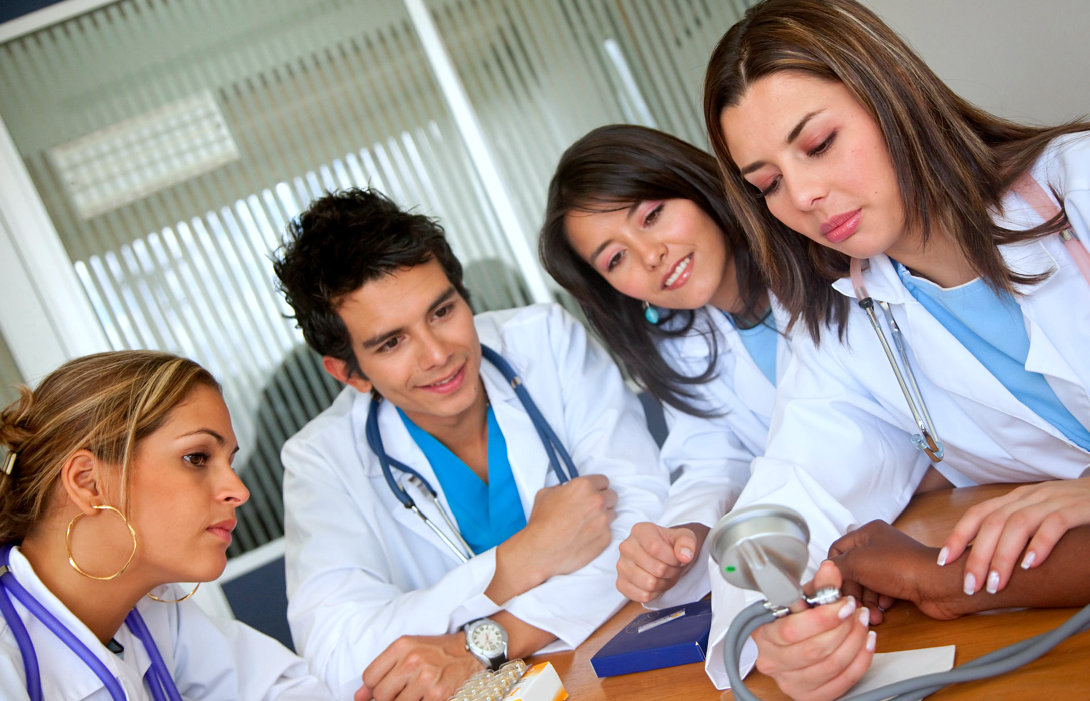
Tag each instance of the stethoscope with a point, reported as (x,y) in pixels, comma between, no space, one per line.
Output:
(158,678)
(553,448)
(927,439)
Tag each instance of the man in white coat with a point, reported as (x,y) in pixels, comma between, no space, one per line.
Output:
(516,554)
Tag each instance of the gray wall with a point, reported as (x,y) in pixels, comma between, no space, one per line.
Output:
(1021,59)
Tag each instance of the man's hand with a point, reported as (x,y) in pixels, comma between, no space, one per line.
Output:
(653,558)
(568,527)
(879,564)
(419,668)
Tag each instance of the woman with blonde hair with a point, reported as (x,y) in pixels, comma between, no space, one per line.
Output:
(117,483)
(877,200)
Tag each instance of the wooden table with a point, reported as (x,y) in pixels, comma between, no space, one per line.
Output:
(1063,673)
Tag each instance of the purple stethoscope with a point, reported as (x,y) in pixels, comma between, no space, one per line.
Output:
(158,678)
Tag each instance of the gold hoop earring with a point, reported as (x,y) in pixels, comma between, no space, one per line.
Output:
(174,601)
(68,543)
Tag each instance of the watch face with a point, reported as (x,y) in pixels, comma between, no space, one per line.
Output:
(487,638)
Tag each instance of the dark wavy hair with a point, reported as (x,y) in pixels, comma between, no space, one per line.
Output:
(342,241)
(953,161)
(611,168)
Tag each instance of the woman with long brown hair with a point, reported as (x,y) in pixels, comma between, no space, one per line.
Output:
(637,230)
(878,200)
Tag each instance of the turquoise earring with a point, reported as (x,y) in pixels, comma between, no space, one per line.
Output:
(650,313)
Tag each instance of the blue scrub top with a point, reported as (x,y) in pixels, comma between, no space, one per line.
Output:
(760,341)
(991,326)
(467,495)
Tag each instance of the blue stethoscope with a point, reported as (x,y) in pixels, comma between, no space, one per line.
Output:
(157,677)
(553,448)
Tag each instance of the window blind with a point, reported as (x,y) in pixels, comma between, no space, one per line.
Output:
(197,128)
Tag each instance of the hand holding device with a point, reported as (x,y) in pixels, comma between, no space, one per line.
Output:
(767,563)
(764,548)
(820,653)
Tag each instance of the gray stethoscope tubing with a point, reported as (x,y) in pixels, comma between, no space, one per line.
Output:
(553,448)
(993,664)
(461,548)
(927,439)
(763,548)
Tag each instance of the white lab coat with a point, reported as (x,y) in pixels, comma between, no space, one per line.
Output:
(839,449)
(363,570)
(208,658)
(713,454)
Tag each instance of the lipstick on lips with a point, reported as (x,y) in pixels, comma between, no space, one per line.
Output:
(678,274)
(223,529)
(841,226)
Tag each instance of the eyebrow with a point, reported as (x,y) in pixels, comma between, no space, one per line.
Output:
(791,136)
(381,338)
(207,431)
(602,246)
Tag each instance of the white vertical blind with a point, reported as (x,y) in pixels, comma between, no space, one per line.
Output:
(317,95)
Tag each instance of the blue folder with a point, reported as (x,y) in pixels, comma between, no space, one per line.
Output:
(657,639)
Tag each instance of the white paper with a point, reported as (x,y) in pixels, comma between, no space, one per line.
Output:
(890,667)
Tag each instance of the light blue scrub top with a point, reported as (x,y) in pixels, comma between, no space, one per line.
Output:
(760,341)
(991,326)
(481,527)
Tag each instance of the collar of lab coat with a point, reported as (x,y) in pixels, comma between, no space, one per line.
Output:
(1027,258)
(527,455)
(948,366)
(77,680)
(746,378)
(394,432)
(694,345)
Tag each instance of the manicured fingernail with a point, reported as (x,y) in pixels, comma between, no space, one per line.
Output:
(970,584)
(872,641)
(847,609)
(1028,560)
(943,554)
(864,617)
(687,553)
(993,582)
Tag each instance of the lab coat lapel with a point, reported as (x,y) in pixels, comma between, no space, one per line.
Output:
(753,388)
(400,445)
(947,364)
(783,342)
(78,681)
(1057,313)
(529,461)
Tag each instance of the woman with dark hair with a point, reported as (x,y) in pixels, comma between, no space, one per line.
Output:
(879,201)
(637,231)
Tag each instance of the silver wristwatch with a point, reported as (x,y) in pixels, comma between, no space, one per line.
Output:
(487,641)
